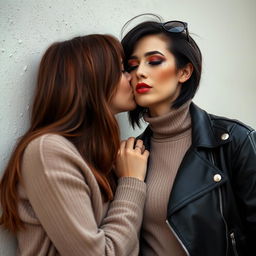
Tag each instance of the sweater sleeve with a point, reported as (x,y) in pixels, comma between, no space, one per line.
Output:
(62,201)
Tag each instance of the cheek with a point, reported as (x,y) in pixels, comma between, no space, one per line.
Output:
(123,86)
(126,88)
(133,79)
(167,74)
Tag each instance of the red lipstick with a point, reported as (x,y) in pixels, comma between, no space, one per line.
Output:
(142,88)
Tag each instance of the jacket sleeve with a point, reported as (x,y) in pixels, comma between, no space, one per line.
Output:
(62,201)
(244,166)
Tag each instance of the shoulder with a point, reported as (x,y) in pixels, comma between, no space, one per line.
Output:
(49,141)
(49,144)
(52,159)
(233,127)
(237,135)
(226,124)
(51,151)
(214,130)
(230,123)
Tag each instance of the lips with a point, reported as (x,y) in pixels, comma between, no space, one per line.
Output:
(142,88)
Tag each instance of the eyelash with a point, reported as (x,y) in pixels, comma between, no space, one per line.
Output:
(131,68)
(155,62)
(152,63)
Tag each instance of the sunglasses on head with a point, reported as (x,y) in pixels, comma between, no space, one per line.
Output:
(176,26)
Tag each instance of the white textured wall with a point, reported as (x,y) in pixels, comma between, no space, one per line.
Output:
(225,32)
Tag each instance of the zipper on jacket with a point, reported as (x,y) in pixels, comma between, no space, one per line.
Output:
(183,246)
(221,207)
(225,223)
(233,241)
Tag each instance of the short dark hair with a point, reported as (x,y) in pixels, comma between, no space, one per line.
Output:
(185,51)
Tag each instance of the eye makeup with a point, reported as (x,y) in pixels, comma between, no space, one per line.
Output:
(132,64)
(155,60)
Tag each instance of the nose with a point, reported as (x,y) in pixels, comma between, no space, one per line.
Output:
(140,71)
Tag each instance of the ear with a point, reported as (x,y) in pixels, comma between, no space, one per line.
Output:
(185,73)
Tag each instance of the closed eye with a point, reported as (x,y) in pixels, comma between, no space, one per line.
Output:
(131,68)
(132,65)
(155,62)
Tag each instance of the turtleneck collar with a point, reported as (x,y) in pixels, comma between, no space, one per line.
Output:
(171,126)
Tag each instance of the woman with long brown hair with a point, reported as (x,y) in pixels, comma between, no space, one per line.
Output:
(71,187)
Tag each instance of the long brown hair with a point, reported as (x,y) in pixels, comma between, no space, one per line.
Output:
(76,81)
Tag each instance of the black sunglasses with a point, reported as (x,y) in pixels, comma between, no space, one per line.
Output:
(176,26)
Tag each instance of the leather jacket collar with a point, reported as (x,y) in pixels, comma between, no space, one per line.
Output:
(204,132)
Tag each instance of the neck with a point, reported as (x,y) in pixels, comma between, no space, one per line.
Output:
(164,107)
(173,124)
(159,110)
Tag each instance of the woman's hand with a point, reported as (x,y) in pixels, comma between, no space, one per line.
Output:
(132,159)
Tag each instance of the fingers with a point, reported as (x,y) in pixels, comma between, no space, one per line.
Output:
(139,146)
(139,143)
(122,146)
(146,153)
(130,143)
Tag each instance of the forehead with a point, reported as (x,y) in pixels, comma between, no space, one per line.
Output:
(151,43)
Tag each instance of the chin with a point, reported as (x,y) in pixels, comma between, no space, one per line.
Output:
(129,107)
(132,107)
(143,103)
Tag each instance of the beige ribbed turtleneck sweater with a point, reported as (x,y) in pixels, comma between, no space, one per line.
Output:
(169,143)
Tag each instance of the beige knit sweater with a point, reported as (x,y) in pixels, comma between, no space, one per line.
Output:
(62,208)
(169,143)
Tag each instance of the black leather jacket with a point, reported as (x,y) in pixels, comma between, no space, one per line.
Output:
(212,206)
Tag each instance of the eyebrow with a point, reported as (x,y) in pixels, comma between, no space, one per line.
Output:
(147,54)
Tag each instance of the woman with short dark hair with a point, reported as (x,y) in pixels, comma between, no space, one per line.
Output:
(201,179)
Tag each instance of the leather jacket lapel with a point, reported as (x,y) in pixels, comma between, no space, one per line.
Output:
(196,177)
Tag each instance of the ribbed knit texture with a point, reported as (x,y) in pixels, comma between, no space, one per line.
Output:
(169,143)
(62,207)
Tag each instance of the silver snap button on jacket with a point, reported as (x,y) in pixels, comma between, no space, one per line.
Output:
(217,177)
(224,136)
